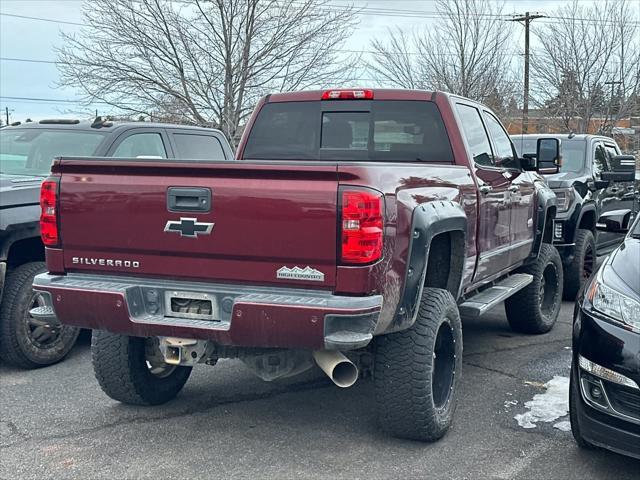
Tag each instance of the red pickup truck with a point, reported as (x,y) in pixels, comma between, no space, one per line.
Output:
(357,221)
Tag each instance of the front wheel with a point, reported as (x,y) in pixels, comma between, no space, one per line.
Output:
(535,308)
(132,369)
(582,266)
(25,341)
(417,371)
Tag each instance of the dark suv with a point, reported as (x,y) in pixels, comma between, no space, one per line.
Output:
(26,152)
(594,181)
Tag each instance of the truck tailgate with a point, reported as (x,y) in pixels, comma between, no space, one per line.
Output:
(115,217)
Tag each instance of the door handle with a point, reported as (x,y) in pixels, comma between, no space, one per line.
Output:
(484,189)
(514,188)
(188,199)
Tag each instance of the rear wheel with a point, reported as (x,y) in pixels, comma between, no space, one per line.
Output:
(535,308)
(132,369)
(25,341)
(417,371)
(582,266)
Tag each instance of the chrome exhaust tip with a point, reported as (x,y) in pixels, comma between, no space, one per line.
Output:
(338,368)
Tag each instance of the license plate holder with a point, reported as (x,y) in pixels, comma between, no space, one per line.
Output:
(194,305)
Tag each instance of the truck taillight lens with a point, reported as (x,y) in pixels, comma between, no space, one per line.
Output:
(362,224)
(49,213)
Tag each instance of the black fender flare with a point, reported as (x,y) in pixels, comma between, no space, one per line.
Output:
(428,220)
(545,210)
(589,207)
(30,230)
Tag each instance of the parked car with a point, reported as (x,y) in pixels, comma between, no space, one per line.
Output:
(355,221)
(26,152)
(594,179)
(605,370)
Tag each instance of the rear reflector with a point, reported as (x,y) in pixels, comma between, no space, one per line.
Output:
(361,222)
(347,95)
(49,213)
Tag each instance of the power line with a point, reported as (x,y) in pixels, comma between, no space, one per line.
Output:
(374,11)
(51,20)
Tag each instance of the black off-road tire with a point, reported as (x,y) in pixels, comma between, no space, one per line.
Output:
(574,397)
(583,265)
(18,346)
(120,366)
(535,308)
(417,371)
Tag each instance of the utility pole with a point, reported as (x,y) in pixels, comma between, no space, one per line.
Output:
(6,112)
(613,83)
(526,20)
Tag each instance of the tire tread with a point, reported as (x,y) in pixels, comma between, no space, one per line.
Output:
(403,360)
(119,367)
(17,282)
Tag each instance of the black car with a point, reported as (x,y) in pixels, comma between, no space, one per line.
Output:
(605,371)
(26,152)
(594,179)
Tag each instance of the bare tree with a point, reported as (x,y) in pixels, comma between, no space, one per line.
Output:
(467,51)
(203,61)
(585,50)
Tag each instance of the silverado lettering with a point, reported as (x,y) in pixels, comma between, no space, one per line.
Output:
(412,207)
(109,262)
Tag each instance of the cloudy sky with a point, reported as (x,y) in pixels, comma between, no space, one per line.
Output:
(28,78)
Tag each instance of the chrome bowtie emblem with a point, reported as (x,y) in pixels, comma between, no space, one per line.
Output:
(188,227)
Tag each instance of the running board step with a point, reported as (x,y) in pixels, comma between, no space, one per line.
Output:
(483,301)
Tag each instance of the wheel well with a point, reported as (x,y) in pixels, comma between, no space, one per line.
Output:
(588,220)
(25,250)
(446,258)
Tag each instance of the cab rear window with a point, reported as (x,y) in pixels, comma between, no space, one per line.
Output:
(385,130)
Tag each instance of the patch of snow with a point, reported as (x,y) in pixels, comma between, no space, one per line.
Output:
(564,425)
(547,406)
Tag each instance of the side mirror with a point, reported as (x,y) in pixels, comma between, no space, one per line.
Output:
(548,155)
(623,169)
(601,184)
(528,162)
(615,221)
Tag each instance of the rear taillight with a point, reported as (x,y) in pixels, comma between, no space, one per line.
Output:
(347,95)
(362,222)
(49,213)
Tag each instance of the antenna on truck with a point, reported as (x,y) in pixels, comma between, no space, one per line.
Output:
(99,122)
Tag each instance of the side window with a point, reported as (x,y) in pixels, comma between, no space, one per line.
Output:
(504,151)
(475,134)
(198,147)
(600,163)
(141,145)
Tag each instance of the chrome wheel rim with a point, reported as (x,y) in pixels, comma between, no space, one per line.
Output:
(155,361)
(41,333)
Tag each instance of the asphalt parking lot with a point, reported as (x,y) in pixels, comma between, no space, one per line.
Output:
(56,423)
